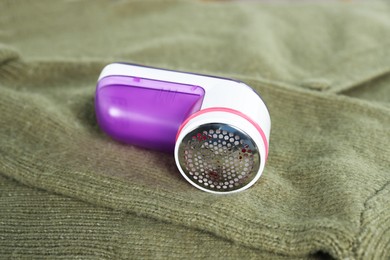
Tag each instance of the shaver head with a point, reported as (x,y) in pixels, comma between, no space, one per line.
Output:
(219,157)
(220,150)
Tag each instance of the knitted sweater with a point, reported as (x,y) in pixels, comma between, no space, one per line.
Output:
(69,191)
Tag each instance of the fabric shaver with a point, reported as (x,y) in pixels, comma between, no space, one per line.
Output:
(218,128)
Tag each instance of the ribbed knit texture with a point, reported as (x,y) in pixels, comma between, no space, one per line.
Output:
(69,191)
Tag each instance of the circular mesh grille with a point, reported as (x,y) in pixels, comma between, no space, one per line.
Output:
(219,157)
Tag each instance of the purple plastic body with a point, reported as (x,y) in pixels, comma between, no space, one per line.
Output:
(145,112)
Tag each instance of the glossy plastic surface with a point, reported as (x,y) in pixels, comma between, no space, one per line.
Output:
(145,112)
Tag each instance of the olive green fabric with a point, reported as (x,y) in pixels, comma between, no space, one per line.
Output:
(69,191)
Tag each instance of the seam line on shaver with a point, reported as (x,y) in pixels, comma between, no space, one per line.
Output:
(228,110)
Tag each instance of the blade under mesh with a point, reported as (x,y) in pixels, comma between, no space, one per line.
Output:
(219,157)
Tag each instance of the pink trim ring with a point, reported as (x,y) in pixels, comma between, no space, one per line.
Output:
(228,110)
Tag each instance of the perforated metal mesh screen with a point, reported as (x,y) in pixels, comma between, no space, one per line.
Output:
(219,157)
